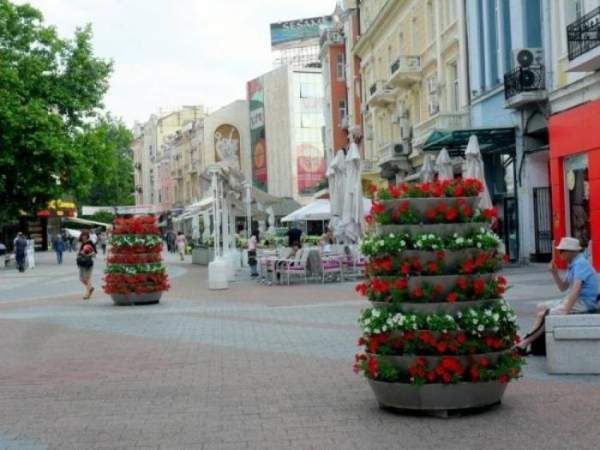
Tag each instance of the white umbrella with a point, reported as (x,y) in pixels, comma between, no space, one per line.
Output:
(426,173)
(443,165)
(353,213)
(336,194)
(474,169)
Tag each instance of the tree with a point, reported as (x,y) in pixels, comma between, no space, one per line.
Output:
(49,88)
(108,171)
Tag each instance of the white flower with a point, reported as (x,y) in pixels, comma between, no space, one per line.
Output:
(377,331)
(384,328)
(403,243)
(367,321)
(376,313)
(479,245)
(392,236)
(496,316)
(480,328)
(459,315)
(475,321)
(487,312)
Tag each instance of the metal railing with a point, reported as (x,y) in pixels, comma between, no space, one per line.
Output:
(524,79)
(583,35)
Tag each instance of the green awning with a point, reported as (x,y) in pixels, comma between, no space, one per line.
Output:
(491,140)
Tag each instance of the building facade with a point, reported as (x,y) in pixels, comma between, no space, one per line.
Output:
(150,162)
(413,78)
(286,127)
(574,45)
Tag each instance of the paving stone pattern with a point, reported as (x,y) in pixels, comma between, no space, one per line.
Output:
(250,367)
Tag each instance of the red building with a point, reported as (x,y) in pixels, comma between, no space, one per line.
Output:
(575,175)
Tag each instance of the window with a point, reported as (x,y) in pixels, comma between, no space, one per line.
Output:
(453,82)
(343,110)
(433,97)
(430,22)
(340,67)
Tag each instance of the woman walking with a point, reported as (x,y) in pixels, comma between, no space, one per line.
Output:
(85,262)
(180,243)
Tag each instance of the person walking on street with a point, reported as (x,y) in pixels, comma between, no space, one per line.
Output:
(85,262)
(252,262)
(180,243)
(294,235)
(58,245)
(20,250)
(30,253)
(103,240)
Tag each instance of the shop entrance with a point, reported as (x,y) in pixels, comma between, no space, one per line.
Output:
(577,198)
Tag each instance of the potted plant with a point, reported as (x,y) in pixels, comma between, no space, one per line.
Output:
(135,273)
(438,335)
(204,253)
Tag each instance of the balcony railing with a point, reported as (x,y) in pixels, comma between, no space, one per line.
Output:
(380,93)
(331,37)
(583,35)
(524,79)
(406,68)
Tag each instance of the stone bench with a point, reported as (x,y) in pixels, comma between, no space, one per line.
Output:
(573,344)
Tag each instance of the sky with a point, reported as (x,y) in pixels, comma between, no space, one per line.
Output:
(169,53)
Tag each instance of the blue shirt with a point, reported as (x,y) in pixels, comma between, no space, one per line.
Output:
(581,269)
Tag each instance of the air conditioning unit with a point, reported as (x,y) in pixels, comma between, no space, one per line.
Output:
(525,57)
(399,149)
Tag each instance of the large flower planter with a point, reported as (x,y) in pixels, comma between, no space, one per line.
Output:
(135,273)
(203,255)
(436,397)
(136,299)
(436,339)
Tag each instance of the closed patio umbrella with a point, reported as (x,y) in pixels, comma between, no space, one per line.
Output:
(474,169)
(353,214)
(443,165)
(426,173)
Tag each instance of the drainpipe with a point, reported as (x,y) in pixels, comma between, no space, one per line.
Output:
(464,50)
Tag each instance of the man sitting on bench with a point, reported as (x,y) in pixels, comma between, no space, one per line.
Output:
(581,279)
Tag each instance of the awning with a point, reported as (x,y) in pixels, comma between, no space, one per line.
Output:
(491,140)
(318,210)
(87,222)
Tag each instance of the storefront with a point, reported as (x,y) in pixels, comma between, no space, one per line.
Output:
(575,175)
(48,222)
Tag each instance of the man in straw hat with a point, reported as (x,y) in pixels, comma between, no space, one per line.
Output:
(581,279)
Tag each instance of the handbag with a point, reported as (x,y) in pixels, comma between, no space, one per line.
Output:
(84,261)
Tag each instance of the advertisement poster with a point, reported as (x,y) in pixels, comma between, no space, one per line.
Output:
(311,169)
(258,142)
(227,144)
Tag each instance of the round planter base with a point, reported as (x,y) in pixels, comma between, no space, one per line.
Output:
(149,298)
(437,397)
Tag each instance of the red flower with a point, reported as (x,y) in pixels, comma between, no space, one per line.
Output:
(502,280)
(418,293)
(503,379)
(422,362)
(404,207)
(462,283)
(362,288)
(452,297)
(468,267)
(395,191)
(369,219)
(405,269)
(373,188)
(458,191)
(490,213)
(431,214)
(432,267)
(484,361)
(474,371)
(401,283)
(442,207)
(452,214)
(500,289)
(461,338)
(377,208)
(479,286)
(440,254)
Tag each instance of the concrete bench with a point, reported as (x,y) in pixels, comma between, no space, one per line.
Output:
(573,344)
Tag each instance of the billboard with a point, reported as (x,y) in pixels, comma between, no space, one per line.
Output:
(311,168)
(284,33)
(227,144)
(258,140)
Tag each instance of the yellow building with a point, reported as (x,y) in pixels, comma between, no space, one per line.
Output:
(413,78)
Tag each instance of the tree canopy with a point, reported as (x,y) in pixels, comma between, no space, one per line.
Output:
(51,89)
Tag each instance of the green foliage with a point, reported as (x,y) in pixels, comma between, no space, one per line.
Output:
(49,88)
(102,216)
(105,145)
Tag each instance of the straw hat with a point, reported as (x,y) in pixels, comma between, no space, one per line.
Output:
(569,244)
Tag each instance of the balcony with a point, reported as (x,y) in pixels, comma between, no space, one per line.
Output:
(405,71)
(369,166)
(380,94)
(393,152)
(525,85)
(442,121)
(193,167)
(583,40)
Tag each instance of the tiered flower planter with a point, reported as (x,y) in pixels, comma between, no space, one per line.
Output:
(438,336)
(135,273)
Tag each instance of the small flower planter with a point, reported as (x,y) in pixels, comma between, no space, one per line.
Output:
(421,205)
(148,298)
(438,229)
(432,308)
(436,396)
(404,362)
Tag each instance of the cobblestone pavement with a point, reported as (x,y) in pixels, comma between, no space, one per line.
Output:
(250,367)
